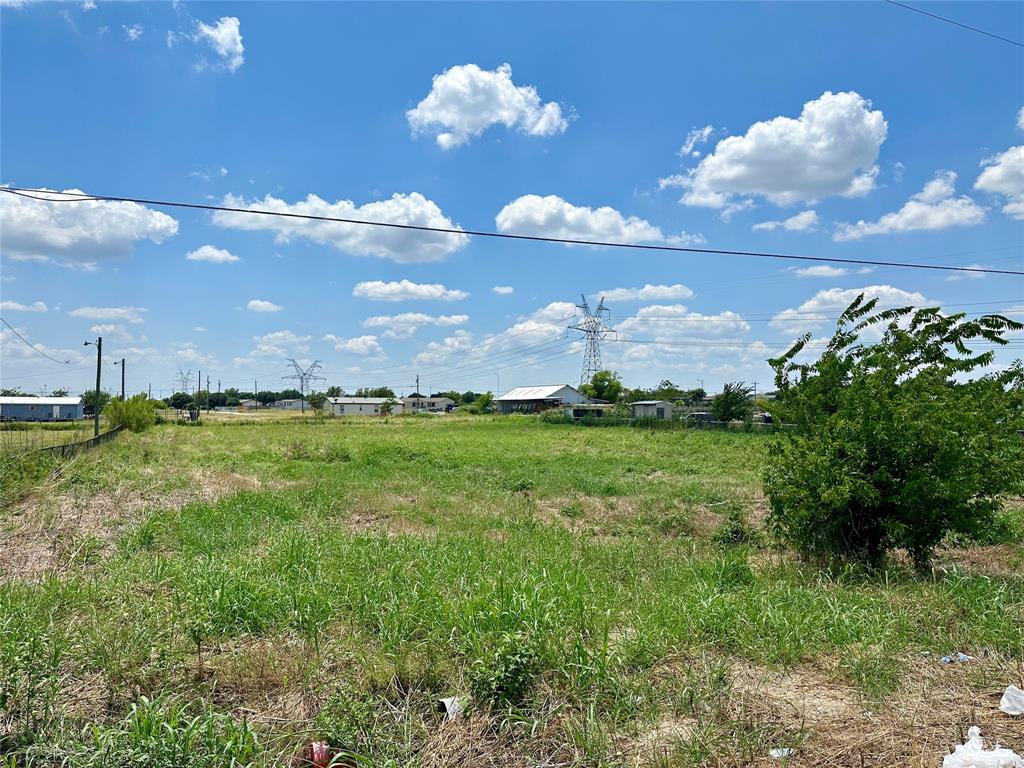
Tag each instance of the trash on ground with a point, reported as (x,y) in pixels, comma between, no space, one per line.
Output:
(780,752)
(453,706)
(956,658)
(319,754)
(972,754)
(1012,702)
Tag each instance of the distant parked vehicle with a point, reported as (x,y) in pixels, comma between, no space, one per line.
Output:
(701,416)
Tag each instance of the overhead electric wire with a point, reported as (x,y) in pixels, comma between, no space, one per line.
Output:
(81,197)
(33,346)
(957,23)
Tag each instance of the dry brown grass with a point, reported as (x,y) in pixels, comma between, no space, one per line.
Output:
(56,529)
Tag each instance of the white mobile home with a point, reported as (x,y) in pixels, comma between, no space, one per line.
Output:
(654,409)
(362,406)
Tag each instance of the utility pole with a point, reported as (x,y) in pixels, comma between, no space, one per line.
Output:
(121,363)
(150,390)
(418,385)
(208,393)
(254,392)
(96,403)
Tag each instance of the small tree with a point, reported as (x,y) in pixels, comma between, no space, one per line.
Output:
(89,401)
(733,402)
(484,402)
(375,392)
(135,413)
(894,446)
(335,391)
(180,401)
(603,385)
(387,406)
(59,392)
(317,401)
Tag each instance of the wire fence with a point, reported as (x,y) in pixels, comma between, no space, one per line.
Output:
(67,450)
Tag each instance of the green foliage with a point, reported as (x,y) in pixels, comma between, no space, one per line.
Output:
(604,385)
(507,670)
(59,392)
(163,733)
(179,401)
(484,402)
(375,392)
(317,401)
(335,391)
(735,529)
(388,406)
(468,397)
(733,402)
(135,414)
(89,400)
(894,446)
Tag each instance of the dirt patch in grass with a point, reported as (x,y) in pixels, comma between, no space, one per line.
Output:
(52,533)
(995,560)
(914,727)
(372,523)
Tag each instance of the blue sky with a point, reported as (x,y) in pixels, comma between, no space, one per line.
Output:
(854,130)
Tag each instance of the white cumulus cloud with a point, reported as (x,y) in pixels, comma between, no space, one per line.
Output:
(402,245)
(212,254)
(225,38)
(825,306)
(119,314)
(261,305)
(551,216)
(405,290)
(405,324)
(1004,175)
(438,351)
(830,149)
(17,306)
(802,222)
(112,331)
(675,322)
(132,32)
(80,231)
(694,139)
(367,346)
(275,344)
(466,100)
(933,208)
(648,293)
(503,290)
(820,270)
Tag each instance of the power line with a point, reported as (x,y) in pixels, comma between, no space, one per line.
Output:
(72,197)
(33,346)
(957,23)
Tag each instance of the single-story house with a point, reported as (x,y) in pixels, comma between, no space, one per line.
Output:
(41,408)
(657,409)
(435,404)
(536,399)
(291,404)
(249,404)
(361,406)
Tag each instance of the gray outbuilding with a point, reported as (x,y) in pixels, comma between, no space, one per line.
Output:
(41,408)
(652,409)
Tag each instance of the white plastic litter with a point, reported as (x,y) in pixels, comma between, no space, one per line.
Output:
(973,754)
(956,658)
(1012,702)
(780,752)
(453,706)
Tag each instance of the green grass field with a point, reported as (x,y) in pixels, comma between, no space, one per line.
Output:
(606,597)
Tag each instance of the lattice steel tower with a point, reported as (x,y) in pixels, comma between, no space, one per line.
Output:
(304,376)
(594,331)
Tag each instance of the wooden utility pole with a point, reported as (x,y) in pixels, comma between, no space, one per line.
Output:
(99,370)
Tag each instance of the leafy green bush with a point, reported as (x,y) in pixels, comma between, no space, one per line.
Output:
(506,672)
(894,447)
(135,413)
(733,402)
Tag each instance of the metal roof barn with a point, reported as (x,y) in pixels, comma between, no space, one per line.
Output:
(539,398)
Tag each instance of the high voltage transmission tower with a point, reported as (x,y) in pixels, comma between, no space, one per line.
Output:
(594,331)
(185,379)
(304,376)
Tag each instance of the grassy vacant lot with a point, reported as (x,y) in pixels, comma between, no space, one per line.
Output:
(238,589)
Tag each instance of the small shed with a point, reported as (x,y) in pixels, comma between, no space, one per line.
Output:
(536,399)
(652,409)
(249,404)
(41,408)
